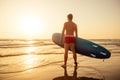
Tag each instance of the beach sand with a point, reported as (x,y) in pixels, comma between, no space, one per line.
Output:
(88,69)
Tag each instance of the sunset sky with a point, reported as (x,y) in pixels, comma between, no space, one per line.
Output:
(36,19)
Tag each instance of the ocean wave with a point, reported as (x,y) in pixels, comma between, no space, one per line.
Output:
(21,54)
(107,41)
(2,65)
(16,43)
(24,45)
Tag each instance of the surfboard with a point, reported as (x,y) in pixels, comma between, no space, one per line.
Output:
(84,47)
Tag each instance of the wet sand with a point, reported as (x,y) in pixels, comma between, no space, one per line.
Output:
(87,69)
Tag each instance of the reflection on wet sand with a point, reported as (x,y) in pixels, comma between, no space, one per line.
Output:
(74,77)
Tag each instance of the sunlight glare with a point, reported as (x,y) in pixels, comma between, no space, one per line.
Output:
(31,25)
(30,50)
(30,61)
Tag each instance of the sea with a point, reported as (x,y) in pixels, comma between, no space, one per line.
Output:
(19,55)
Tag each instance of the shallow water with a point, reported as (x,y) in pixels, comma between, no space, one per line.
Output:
(19,56)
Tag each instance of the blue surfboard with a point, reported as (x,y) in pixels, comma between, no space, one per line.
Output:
(84,47)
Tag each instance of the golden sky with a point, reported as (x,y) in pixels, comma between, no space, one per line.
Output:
(96,19)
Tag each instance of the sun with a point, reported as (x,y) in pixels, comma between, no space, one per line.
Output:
(31,25)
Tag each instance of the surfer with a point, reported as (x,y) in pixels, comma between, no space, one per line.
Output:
(69,42)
